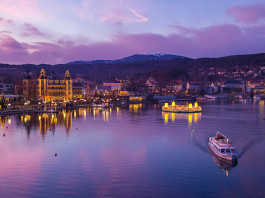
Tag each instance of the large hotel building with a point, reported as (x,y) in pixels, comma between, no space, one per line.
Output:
(50,89)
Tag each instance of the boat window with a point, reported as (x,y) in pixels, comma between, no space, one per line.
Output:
(228,151)
(233,150)
(222,151)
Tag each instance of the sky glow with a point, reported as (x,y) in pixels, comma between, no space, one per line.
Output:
(49,31)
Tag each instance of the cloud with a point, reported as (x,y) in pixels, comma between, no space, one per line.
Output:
(212,41)
(31,30)
(142,18)
(108,11)
(21,9)
(249,14)
(8,42)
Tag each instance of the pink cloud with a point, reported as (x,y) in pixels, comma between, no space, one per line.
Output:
(108,11)
(21,9)
(211,41)
(32,30)
(249,14)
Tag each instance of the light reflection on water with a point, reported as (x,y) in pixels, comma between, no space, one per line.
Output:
(137,151)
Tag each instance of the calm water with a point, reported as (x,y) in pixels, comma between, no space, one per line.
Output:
(133,152)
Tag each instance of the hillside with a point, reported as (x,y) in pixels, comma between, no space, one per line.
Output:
(103,70)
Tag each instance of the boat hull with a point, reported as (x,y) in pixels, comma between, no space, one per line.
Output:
(180,109)
(220,155)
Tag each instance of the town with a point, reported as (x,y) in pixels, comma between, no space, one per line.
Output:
(38,89)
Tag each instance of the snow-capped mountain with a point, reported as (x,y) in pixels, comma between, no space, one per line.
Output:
(132,59)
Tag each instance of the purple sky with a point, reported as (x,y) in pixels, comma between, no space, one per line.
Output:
(49,31)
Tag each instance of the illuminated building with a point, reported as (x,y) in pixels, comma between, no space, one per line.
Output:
(115,86)
(77,90)
(137,98)
(54,90)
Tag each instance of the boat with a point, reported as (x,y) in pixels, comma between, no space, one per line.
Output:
(222,147)
(182,108)
(221,162)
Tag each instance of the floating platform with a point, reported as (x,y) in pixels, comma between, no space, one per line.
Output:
(182,108)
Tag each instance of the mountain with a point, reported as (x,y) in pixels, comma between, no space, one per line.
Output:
(131,59)
(104,70)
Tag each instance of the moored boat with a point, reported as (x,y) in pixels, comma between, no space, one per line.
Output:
(181,108)
(222,147)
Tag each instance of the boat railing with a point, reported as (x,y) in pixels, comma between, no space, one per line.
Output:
(222,135)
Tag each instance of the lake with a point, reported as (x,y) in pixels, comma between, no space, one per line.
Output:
(137,151)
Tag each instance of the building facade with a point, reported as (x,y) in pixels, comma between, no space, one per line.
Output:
(50,90)
(30,87)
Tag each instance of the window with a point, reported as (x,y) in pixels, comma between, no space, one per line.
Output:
(233,150)
(222,151)
(228,151)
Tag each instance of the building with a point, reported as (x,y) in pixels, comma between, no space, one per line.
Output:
(233,86)
(6,87)
(77,90)
(50,89)
(30,87)
(150,83)
(115,86)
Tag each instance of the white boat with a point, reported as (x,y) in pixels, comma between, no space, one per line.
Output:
(222,147)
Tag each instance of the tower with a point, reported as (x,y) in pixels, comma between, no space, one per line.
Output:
(68,82)
(42,84)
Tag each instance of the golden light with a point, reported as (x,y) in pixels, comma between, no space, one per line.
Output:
(173,117)
(173,104)
(166,117)
(190,118)
(196,104)
(74,113)
(107,116)
(39,117)
(196,117)
(166,104)
(9,121)
(84,114)
(190,105)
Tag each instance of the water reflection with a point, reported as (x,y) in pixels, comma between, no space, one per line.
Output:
(130,153)
(192,118)
(48,121)
(225,165)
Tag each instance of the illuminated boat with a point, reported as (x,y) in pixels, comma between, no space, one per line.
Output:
(222,147)
(182,108)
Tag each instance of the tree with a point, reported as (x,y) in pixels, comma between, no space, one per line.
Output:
(3,104)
